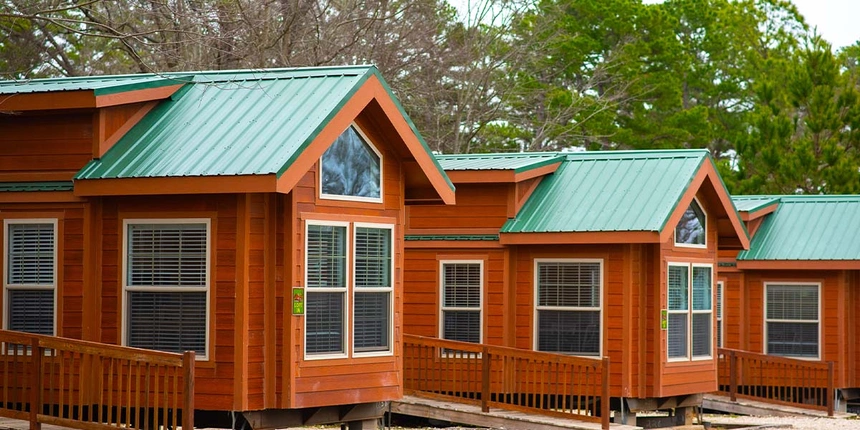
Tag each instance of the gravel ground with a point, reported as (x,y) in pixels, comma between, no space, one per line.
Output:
(797,423)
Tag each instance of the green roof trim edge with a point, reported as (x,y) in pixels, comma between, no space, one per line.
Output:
(453,237)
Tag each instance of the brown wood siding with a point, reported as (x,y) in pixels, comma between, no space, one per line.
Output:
(44,147)
(689,376)
(479,206)
(215,376)
(369,379)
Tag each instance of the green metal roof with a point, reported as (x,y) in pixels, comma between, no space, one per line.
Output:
(609,191)
(809,228)
(11,187)
(753,203)
(518,162)
(100,85)
(453,237)
(230,123)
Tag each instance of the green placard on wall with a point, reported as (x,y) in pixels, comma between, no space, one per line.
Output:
(298,301)
(664,319)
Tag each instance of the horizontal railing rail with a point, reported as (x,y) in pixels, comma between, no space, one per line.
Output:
(782,380)
(93,386)
(507,378)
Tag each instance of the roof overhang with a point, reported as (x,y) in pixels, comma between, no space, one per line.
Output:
(176,185)
(759,212)
(369,91)
(589,237)
(84,99)
(799,264)
(707,182)
(502,175)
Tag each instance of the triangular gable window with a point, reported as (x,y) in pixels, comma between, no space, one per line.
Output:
(351,169)
(691,229)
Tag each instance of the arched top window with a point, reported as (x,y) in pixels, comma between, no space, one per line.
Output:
(351,168)
(692,228)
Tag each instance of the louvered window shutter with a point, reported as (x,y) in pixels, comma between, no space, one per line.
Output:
(568,307)
(30,277)
(165,257)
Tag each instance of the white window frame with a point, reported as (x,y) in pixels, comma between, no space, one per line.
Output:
(126,289)
(690,312)
(346,341)
(720,307)
(355,198)
(7,287)
(600,309)
(389,290)
(817,322)
(705,227)
(443,308)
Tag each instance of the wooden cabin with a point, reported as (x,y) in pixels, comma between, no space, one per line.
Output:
(254,217)
(597,254)
(794,293)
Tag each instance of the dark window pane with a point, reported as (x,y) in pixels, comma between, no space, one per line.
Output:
(794,339)
(372,257)
(691,228)
(573,332)
(569,284)
(324,323)
(702,334)
(372,322)
(167,255)
(31,311)
(326,256)
(677,335)
(351,168)
(167,321)
(463,326)
(30,254)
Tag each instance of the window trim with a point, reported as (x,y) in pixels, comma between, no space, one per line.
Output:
(705,227)
(442,307)
(347,340)
(719,308)
(378,153)
(689,357)
(536,307)
(350,285)
(818,322)
(6,286)
(126,289)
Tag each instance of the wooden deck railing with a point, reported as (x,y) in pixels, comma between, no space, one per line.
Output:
(93,386)
(788,381)
(507,378)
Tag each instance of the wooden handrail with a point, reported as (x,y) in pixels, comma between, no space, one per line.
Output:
(783,380)
(508,378)
(92,386)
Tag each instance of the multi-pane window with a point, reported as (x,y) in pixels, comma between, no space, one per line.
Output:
(692,228)
(328,287)
(690,311)
(568,306)
(31,278)
(461,283)
(373,287)
(720,314)
(351,168)
(167,284)
(792,319)
(325,319)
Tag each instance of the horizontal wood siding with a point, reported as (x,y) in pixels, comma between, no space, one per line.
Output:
(36,146)
(479,206)
(353,379)
(214,377)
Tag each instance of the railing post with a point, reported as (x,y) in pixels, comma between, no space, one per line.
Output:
(188,397)
(485,380)
(604,395)
(733,376)
(830,389)
(36,388)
